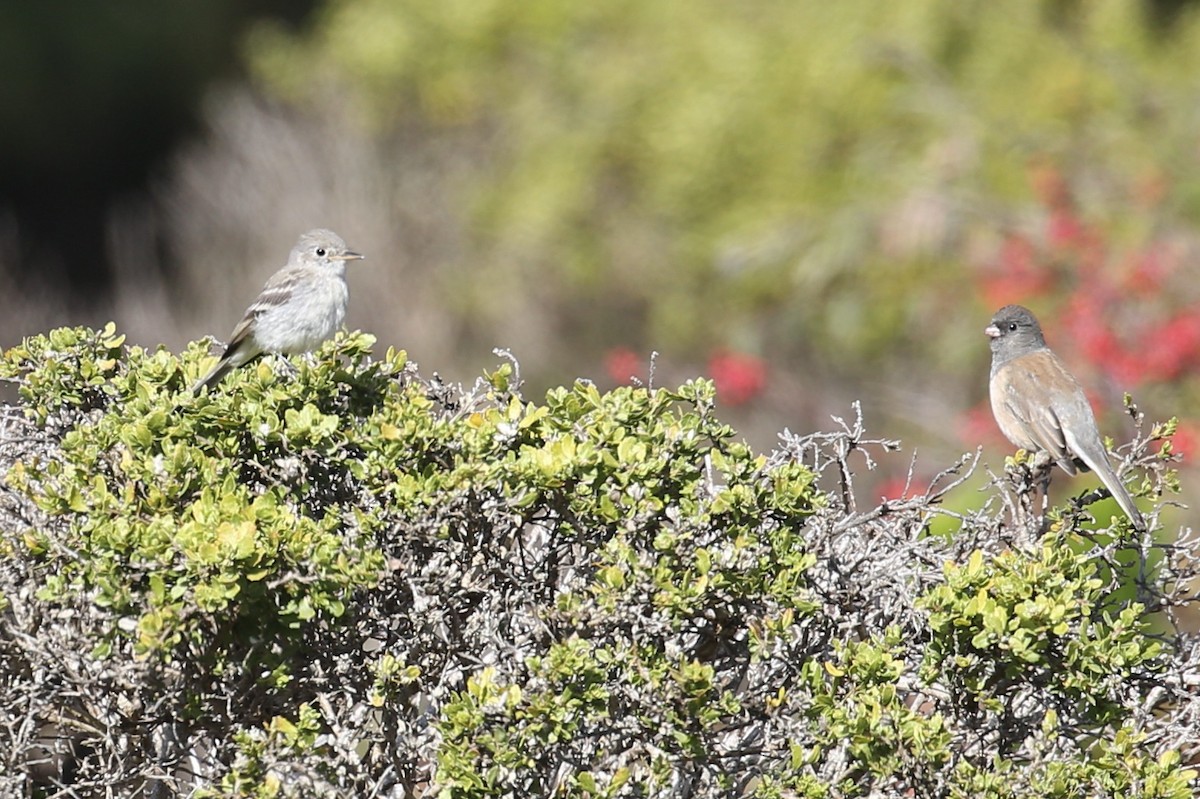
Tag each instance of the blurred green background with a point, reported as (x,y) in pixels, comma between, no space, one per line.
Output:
(813,202)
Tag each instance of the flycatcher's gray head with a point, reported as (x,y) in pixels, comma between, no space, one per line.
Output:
(321,247)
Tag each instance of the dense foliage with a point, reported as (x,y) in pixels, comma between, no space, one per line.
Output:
(333,577)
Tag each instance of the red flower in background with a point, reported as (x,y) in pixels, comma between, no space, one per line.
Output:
(1172,348)
(1147,271)
(894,490)
(1089,329)
(622,365)
(979,425)
(1016,276)
(739,378)
(1064,228)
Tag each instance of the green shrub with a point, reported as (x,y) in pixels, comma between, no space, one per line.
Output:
(331,577)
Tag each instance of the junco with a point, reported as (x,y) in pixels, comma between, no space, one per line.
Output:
(302,304)
(1039,405)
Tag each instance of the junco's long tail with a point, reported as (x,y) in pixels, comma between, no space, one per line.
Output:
(1096,458)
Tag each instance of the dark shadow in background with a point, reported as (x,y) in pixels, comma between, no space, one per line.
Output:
(93,95)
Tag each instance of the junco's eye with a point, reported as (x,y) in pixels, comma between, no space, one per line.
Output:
(320,252)
(1012,326)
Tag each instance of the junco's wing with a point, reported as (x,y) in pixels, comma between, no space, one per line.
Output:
(1032,392)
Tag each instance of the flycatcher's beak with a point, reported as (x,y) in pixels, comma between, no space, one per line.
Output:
(992,331)
(350,256)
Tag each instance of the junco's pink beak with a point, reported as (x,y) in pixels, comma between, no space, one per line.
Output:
(992,331)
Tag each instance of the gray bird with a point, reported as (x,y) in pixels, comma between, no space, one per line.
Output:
(301,306)
(1039,405)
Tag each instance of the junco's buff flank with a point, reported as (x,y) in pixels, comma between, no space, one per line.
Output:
(1039,405)
(302,304)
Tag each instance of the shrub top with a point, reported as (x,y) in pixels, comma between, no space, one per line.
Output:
(330,576)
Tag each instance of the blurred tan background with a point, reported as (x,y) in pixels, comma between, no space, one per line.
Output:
(812,202)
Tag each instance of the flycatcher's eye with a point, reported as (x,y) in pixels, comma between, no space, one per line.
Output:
(320,252)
